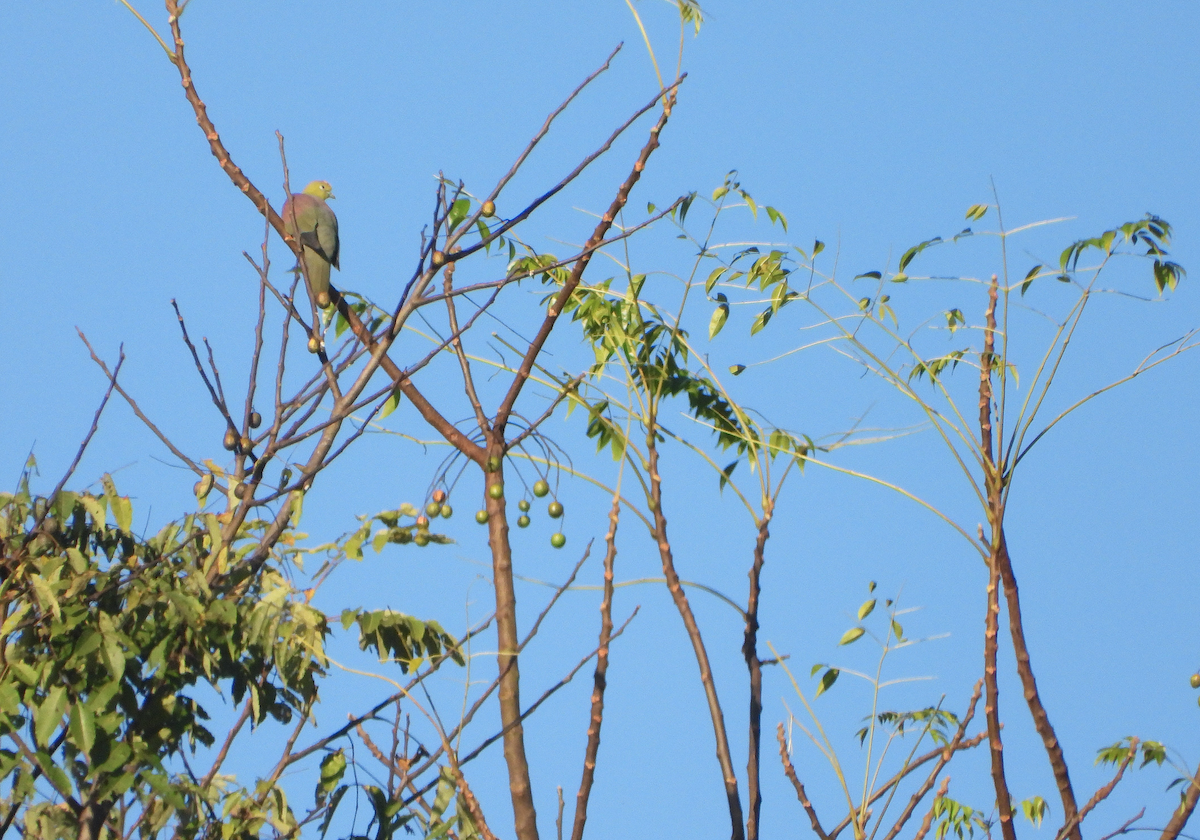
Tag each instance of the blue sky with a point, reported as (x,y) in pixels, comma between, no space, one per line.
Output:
(872,126)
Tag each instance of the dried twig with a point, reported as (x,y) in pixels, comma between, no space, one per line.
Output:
(801,794)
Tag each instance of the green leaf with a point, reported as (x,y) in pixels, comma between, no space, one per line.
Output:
(725,474)
(458,212)
(1030,276)
(1035,810)
(897,630)
(827,681)
(761,321)
(685,205)
(719,317)
(48,714)
(874,275)
(736,369)
(713,278)
(119,505)
(14,618)
(45,595)
(866,609)
(976,211)
(719,193)
(334,801)
(777,218)
(818,247)
(1167,275)
(393,402)
(852,635)
(82,725)
(916,249)
(750,202)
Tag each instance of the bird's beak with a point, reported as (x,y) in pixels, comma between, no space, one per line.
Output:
(331,195)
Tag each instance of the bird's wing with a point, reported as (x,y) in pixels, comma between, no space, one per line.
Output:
(327,233)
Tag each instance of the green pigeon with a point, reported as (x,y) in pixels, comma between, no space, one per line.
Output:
(310,220)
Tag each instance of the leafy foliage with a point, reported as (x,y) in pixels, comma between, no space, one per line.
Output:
(105,638)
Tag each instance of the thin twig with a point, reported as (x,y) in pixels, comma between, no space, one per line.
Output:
(927,823)
(87,439)
(1101,794)
(801,794)
(599,683)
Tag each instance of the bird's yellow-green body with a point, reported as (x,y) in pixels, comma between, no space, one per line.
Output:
(310,220)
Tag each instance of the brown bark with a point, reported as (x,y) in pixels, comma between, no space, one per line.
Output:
(1001,571)
(600,678)
(728,776)
(1183,813)
(509,694)
(992,621)
(801,793)
(1041,720)
(754,664)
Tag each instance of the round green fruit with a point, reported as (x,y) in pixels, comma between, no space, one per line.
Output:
(523,506)
(496,491)
(421,538)
(555,509)
(231,440)
(255,419)
(522,521)
(488,209)
(540,488)
(493,464)
(433,509)
(558,540)
(314,345)
(1195,680)
(438,259)
(481,516)
(446,511)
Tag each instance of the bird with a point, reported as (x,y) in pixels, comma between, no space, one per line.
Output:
(309,219)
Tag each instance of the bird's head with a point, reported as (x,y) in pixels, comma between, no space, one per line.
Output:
(319,189)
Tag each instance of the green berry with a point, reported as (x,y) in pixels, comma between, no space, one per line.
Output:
(523,505)
(447,511)
(493,464)
(555,509)
(255,419)
(496,491)
(433,509)
(522,521)
(421,538)
(1195,680)
(558,540)
(540,488)
(481,516)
